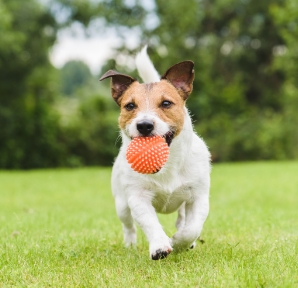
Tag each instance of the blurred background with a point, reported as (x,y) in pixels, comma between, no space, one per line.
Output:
(54,112)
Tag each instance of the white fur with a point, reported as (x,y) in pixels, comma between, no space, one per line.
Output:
(145,67)
(182,184)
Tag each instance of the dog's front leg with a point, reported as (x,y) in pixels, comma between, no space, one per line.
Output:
(124,214)
(196,213)
(144,214)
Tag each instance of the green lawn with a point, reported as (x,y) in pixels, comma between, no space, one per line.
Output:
(59,228)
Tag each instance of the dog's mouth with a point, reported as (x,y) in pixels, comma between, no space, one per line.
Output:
(169,137)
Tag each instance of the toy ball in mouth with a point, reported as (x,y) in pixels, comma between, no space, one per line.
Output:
(147,155)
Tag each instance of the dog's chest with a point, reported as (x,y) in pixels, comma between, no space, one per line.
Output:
(167,201)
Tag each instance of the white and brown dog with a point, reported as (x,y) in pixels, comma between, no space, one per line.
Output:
(157,107)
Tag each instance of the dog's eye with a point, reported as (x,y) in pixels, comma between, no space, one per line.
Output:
(130,106)
(166,104)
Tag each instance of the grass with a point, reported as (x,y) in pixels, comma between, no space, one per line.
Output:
(59,228)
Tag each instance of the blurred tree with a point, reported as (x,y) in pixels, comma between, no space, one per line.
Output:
(238,98)
(286,58)
(231,43)
(91,134)
(244,101)
(239,102)
(116,13)
(73,75)
(28,128)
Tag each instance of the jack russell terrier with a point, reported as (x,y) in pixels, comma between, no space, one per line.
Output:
(157,107)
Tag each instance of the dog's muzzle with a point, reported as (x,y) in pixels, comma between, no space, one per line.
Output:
(145,128)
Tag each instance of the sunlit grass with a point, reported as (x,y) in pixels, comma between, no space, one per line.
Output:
(59,228)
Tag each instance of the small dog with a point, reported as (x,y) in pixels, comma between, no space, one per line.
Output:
(157,107)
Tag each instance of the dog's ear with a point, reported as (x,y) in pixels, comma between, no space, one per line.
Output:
(181,76)
(119,83)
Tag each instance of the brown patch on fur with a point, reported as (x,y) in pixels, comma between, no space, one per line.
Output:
(119,83)
(149,97)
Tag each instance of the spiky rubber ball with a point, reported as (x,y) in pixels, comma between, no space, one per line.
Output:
(147,155)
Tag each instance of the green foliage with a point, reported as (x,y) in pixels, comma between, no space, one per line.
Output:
(59,228)
(249,136)
(117,13)
(28,125)
(89,127)
(32,132)
(230,45)
(244,100)
(245,58)
(74,74)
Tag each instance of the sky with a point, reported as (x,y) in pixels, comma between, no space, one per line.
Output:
(72,44)
(94,51)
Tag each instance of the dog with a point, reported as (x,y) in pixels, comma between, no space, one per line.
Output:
(157,107)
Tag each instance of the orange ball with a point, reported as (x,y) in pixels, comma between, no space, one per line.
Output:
(147,155)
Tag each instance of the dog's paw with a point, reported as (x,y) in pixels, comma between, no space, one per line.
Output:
(193,245)
(179,243)
(185,239)
(182,244)
(160,254)
(160,251)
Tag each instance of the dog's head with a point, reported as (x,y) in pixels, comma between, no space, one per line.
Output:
(154,108)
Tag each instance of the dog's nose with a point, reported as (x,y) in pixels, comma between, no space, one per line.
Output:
(145,127)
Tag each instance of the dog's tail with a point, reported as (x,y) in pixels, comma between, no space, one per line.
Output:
(145,67)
